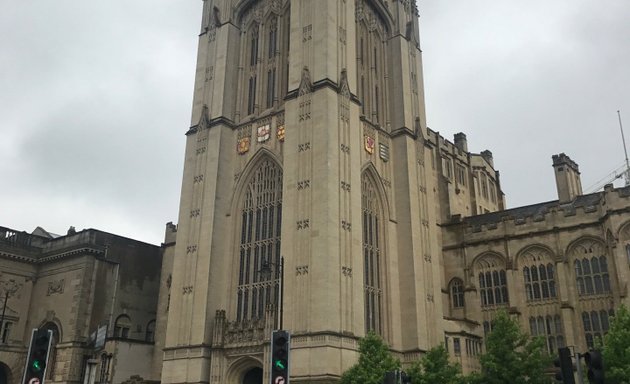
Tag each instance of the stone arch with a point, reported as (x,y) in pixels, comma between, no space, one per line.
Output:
(490,274)
(536,266)
(6,375)
(383,14)
(122,326)
(248,172)
(590,266)
(54,325)
(586,244)
(534,253)
(257,194)
(376,264)
(239,368)
(370,171)
(489,259)
(624,232)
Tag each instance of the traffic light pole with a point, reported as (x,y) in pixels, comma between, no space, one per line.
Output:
(578,365)
(281,290)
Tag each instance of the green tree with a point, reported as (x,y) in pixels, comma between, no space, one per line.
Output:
(435,368)
(616,351)
(374,360)
(512,356)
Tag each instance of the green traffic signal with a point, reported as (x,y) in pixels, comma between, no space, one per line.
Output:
(279,364)
(37,365)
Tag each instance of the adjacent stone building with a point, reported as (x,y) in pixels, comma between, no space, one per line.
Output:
(76,285)
(560,267)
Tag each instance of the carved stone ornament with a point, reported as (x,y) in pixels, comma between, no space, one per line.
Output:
(56,286)
(305,84)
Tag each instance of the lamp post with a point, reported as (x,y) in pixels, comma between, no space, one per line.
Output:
(9,287)
(266,270)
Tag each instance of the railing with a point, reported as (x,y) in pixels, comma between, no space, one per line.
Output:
(13,237)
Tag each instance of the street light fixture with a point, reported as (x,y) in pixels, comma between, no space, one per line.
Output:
(266,270)
(9,288)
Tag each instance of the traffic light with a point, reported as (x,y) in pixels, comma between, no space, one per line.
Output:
(564,362)
(280,346)
(37,356)
(595,365)
(390,377)
(396,377)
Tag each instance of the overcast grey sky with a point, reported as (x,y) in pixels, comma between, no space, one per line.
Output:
(95,98)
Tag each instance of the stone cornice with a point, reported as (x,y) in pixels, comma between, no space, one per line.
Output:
(52,256)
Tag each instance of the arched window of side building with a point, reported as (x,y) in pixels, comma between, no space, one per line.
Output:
(122,327)
(549,328)
(591,276)
(596,325)
(540,282)
(457,293)
(150,332)
(493,287)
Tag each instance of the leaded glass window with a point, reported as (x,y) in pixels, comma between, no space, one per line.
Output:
(596,325)
(259,245)
(550,328)
(457,293)
(372,255)
(540,283)
(493,288)
(591,276)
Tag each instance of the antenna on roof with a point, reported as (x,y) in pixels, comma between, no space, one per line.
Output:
(623,139)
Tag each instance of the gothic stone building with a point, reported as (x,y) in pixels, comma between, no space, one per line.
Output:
(308,148)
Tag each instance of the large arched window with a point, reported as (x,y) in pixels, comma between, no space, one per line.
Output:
(596,325)
(457,293)
(540,283)
(591,268)
(493,289)
(550,328)
(371,63)
(264,57)
(373,247)
(253,41)
(591,276)
(259,243)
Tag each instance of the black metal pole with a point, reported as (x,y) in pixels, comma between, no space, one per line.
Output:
(281,290)
(4,308)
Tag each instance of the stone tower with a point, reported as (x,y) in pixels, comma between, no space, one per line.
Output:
(307,143)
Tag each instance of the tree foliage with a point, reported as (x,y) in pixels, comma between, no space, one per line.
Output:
(512,356)
(435,368)
(616,351)
(374,360)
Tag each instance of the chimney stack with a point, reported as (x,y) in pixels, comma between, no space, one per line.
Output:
(568,180)
(460,141)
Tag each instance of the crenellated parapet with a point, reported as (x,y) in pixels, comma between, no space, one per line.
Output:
(585,210)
